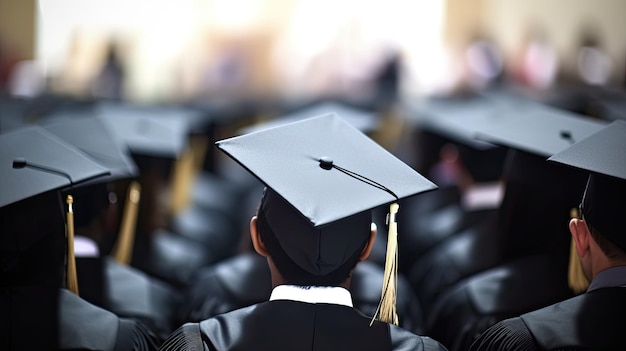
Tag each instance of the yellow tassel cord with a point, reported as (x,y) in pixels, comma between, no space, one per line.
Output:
(186,170)
(386,311)
(72,276)
(576,279)
(123,250)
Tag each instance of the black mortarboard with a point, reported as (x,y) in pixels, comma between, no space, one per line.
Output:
(603,154)
(539,129)
(458,120)
(93,137)
(362,120)
(323,176)
(33,161)
(534,187)
(147,131)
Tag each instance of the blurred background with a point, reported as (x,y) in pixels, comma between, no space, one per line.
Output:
(421,77)
(173,51)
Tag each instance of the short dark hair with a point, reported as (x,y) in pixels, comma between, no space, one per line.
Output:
(612,251)
(293,273)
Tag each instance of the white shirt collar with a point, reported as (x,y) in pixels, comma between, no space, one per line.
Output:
(312,294)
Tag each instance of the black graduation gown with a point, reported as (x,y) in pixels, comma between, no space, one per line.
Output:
(594,320)
(471,306)
(133,294)
(128,292)
(292,325)
(245,279)
(471,250)
(83,326)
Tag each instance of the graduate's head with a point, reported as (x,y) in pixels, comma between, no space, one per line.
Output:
(603,202)
(323,177)
(304,255)
(602,206)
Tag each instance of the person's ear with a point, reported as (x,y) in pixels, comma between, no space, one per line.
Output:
(370,243)
(258,244)
(580,234)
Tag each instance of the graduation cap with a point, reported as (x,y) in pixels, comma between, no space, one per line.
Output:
(458,120)
(90,135)
(539,129)
(603,155)
(34,161)
(323,176)
(147,130)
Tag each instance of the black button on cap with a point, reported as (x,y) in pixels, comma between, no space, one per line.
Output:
(326,163)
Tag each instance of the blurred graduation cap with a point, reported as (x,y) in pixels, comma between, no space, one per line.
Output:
(539,129)
(458,120)
(603,155)
(536,188)
(147,131)
(12,114)
(362,120)
(323,177)
(93,137)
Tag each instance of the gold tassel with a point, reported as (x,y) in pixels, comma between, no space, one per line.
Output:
(386,311)
(72,276)
(576,279)
(123,250)
(183,176)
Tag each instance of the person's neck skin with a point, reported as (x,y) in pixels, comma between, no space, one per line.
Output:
(277,278)
(592,258)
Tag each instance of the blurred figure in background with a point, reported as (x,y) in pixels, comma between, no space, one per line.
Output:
(593,65)
(484,63)
(110,79)
(537,66)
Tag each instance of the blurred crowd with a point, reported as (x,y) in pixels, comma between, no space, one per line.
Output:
(462,247)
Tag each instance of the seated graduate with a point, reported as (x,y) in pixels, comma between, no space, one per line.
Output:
(595,319)
(313,225)
(36,312)
(108,281)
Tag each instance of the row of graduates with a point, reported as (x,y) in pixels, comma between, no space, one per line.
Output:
(192,271)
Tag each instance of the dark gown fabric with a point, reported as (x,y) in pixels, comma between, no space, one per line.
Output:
(83,326)
(427,220)
(27,311)
(591,321)
(473,305)
(470,251)
(133,294)
(245,280)
(128,292)
(291,325)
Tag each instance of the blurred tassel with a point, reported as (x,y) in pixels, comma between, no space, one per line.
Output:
(72,276)
(123,250)
(386,311)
